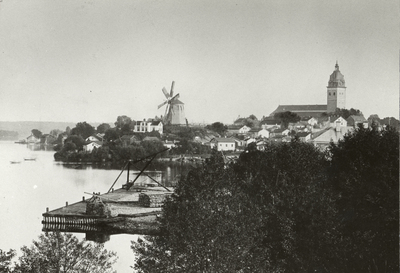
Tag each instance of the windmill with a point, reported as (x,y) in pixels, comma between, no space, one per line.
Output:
(174,110)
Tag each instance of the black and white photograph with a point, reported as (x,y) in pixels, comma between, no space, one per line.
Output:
(199,136)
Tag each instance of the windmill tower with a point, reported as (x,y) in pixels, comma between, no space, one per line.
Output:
(174,110)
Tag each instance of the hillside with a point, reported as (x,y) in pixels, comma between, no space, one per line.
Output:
(23,128)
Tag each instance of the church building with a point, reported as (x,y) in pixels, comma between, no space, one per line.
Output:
(336,98)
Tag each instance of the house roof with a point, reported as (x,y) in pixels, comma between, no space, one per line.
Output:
(151,138)
(330,134)
(155,122)
(223,139)
(357,119)
(95,142)
(271,122)
(302,110)
(303,134)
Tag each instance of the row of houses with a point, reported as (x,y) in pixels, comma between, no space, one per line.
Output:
(320,132)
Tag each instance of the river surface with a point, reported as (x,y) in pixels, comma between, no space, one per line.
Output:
(27,188)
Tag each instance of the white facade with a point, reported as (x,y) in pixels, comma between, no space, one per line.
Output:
(264,133)
(88,148)
(223,144)
(148,126)
(244,130)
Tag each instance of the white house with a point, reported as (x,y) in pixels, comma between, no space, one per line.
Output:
(244,130)
(88,148)
(304,136)
(155,126)
(341,122)
(148,126)
(264,133)
(354,121)
(223,144)
(92,138)
(169,144)
(32,139)
(140,126)
(250,140)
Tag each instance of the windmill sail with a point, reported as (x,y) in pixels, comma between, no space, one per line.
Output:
(174,111)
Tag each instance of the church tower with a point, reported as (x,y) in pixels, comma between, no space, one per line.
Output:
(336,93)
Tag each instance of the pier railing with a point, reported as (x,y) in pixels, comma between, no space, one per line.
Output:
(71,223)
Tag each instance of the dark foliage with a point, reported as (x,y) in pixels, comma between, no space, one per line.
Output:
(218,127)
(36,133)
(286,117)
(365,175)
(271,211)
(83,129)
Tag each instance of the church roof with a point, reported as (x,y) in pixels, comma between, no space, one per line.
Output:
(302,110)
(336,79)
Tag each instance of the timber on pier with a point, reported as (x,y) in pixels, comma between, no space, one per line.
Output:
(134,212)
(131,209)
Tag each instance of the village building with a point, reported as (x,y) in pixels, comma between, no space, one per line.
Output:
(169,144)
(263,133)
(32,139)
(223,144)
(268,124)
(93,138)
(88,148)
(127,140)
(355,121)
(244,130)
(150,138)
(148,126)
(304,136)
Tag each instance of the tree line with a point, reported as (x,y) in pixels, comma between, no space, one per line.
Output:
(290,208)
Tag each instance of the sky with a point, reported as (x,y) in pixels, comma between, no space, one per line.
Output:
(95,60)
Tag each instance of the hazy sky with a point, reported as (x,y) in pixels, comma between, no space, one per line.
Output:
(95,60)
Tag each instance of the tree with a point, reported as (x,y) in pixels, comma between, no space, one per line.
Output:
(55,132)
(5,260)
(78,142)
(36,133)
(111,134)
(124,125)
(286,117)
(269,212)
(83,129)
(374,119)
(364,173)
(64,253)
(344,113)
(218,127)
(102,128)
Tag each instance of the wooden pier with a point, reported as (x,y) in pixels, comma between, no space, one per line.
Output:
(131,211)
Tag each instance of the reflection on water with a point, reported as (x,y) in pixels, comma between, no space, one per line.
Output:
(27,188)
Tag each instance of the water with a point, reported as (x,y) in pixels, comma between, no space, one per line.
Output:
(28,187)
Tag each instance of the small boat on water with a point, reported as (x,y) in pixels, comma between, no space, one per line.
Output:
(30,159)
(15,162)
